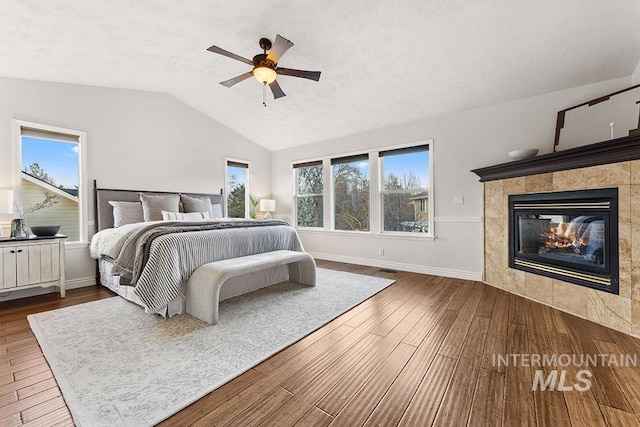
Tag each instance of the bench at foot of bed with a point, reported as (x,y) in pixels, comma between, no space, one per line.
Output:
(203,288)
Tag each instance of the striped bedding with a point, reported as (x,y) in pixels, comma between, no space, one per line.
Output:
(157,257)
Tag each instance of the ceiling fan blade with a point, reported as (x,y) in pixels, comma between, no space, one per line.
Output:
(311,75)
(237,79)
(279,48)
(216,49)
(277,90)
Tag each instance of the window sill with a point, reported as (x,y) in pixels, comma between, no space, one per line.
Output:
(368,234)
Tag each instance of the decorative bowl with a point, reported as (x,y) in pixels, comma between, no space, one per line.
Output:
(525,153)
(45,230)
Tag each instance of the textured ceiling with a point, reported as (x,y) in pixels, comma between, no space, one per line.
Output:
(382,63)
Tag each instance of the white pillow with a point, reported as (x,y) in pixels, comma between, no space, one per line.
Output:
(126,213)
(180,216)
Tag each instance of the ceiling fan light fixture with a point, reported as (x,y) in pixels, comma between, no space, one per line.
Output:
(264,74)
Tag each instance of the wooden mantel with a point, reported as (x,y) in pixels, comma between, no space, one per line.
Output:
(601,153)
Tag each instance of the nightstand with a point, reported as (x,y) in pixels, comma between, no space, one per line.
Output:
(32,262)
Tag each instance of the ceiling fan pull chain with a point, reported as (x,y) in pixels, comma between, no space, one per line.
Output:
(264,94)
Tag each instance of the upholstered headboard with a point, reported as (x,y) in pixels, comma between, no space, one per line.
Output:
(104,211)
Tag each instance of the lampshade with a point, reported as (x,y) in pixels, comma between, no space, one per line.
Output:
(265,75)
(267,205)
(6,201)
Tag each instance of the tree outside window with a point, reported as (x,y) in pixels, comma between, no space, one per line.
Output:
(237,174)
(351,193)
(405,196)
(309,199)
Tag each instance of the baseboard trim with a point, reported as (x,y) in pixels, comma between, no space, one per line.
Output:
(81,282)
(434,271)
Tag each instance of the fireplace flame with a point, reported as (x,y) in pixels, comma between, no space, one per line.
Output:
(564,236)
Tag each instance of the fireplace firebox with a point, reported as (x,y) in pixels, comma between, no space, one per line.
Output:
(570,236)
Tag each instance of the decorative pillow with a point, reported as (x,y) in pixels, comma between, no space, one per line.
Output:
(153,205)
(216,210)
(201,204)
(195,203)
(126,213)
(191,216)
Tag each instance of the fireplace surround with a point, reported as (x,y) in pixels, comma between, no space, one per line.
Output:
(610,164)
(567,235)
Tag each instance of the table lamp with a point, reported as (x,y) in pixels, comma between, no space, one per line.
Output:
(267,205)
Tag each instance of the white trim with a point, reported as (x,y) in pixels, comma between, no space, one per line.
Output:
(476,219)
(81,282)
(247,185)
(435,271)
(375,186)
(386,235)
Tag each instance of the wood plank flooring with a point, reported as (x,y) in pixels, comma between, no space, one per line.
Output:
(419,353)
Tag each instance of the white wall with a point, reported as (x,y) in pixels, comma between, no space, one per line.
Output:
(135,140)
(462,141)
(635,78)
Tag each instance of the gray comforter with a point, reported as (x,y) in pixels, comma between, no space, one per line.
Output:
(158,257)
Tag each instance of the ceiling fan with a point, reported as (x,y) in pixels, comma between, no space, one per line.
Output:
(265,66)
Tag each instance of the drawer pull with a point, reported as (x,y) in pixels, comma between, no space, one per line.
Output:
(12,251)
(19,250)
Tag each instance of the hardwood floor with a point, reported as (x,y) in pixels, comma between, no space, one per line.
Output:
(419,353)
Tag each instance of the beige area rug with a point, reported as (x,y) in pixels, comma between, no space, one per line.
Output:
(117,365)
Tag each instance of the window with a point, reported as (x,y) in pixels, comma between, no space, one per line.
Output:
(394,197)
(50,181)
(351,192)
(405,191)
(237,189)
(309,199)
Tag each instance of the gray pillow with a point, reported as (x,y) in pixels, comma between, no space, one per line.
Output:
(195,203)
(153,205)
(201,204)
(216,210)
(126,213)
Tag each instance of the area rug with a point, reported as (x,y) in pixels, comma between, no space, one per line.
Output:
(117,365)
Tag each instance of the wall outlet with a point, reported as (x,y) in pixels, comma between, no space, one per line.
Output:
(381,251)
(458,200)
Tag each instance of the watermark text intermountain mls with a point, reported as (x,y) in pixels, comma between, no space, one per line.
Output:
(559,379)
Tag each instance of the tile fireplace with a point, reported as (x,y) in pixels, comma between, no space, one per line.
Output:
(604,166)
(567,235)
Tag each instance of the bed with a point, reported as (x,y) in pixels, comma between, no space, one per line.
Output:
(148,260)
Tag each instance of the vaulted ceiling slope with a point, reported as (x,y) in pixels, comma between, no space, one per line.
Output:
(382,63)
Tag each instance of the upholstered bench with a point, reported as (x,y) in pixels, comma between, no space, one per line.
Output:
(203,288)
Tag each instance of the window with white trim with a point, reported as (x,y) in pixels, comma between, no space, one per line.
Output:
(51,184)
(351,192)
(237,189)
(405,189)
(397,191)
(309,194)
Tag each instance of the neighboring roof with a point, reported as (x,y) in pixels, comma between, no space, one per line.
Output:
(420,195)
(48,187)
(382,63)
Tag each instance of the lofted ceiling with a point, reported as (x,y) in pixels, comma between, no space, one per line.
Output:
(382,63)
